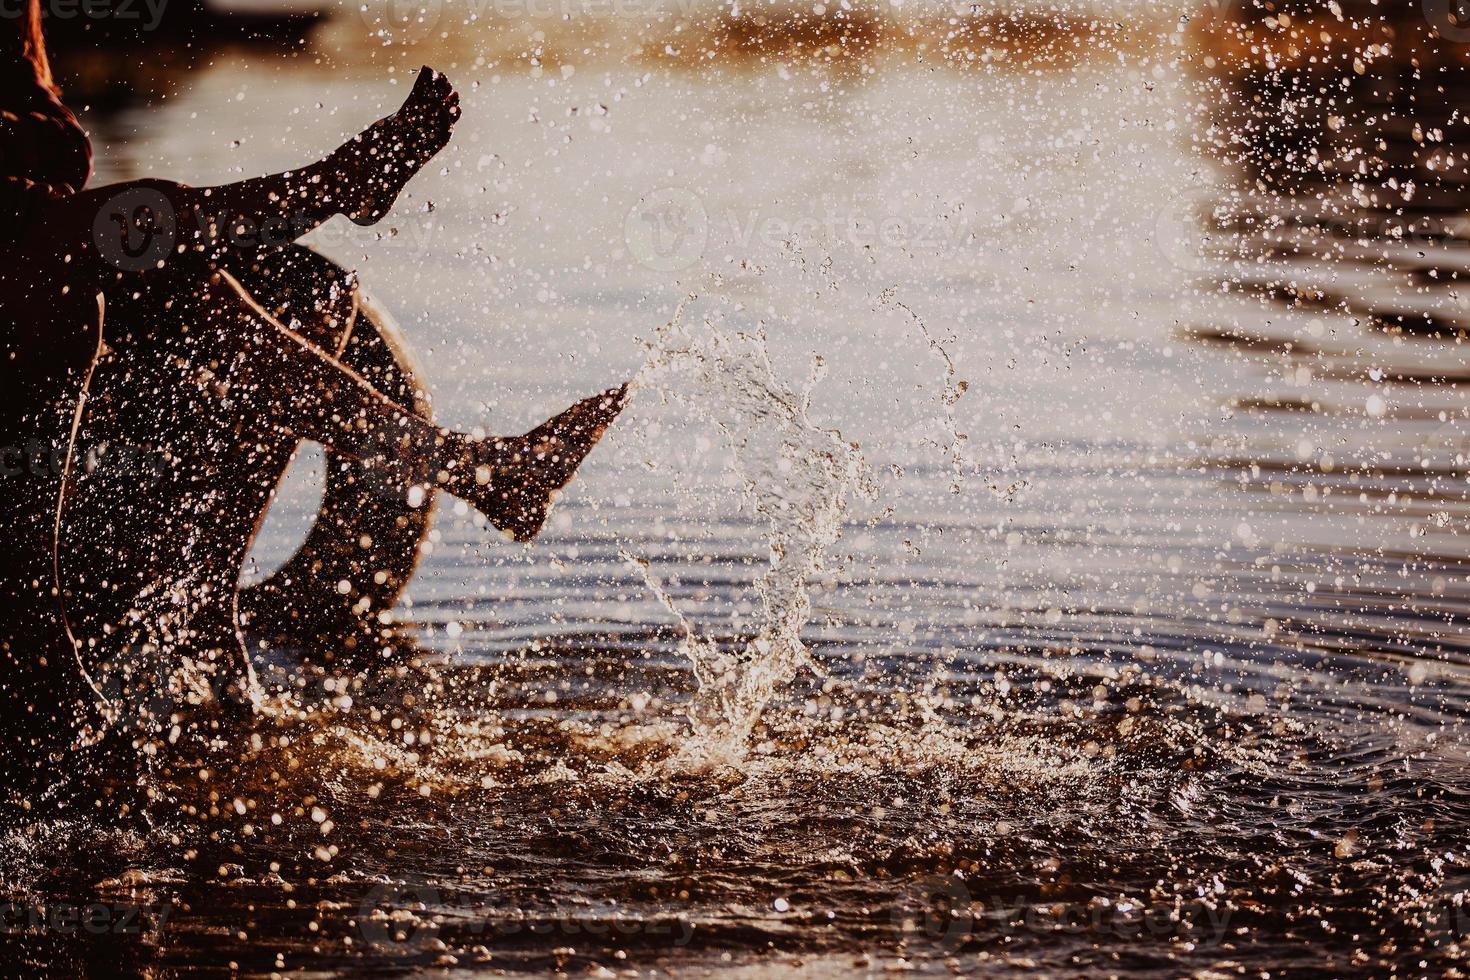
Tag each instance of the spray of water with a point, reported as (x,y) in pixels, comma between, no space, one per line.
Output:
(960,462)
(797,476)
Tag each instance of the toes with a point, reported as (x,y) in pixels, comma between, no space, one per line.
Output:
(431,89)
(438,86)
(606,406)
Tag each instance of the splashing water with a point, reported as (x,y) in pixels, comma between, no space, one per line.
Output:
(954,387)
(798,476)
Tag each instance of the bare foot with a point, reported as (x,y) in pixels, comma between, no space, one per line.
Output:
(517,479)
(373,167)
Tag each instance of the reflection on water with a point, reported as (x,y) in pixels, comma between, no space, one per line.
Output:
(1176,681)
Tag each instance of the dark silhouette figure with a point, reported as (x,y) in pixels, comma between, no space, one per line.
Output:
(163,348)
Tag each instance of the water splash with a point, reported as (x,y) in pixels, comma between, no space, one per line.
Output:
(960,462)
(798,476)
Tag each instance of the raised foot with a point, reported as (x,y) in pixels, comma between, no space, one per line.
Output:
(520,477)
(373,167)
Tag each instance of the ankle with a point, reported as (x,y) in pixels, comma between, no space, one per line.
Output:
(334,177)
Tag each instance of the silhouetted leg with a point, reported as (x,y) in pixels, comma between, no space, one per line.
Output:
(367,531)
(150,550)
(143,228)
(181,482)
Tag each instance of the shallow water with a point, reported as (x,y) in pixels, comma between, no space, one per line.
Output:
(1145,654)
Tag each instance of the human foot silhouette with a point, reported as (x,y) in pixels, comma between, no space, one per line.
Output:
(517,480)
(373,167)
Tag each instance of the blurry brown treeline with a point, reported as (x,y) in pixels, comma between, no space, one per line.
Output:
(689,33)
(552,34)
(943,33)
(694,33)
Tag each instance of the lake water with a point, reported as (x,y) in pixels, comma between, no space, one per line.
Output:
(1125,477)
